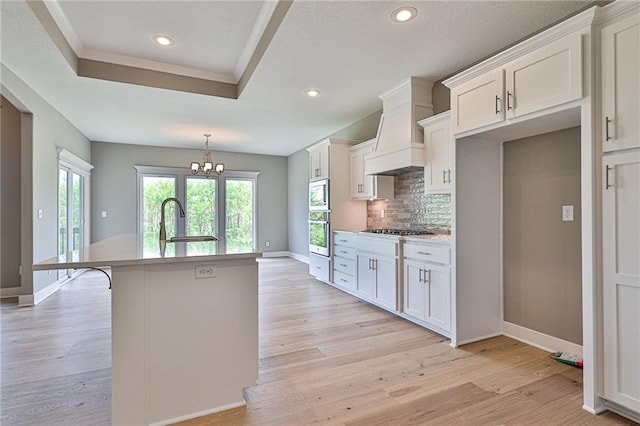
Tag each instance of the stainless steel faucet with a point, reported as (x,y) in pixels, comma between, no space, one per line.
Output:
(163,232)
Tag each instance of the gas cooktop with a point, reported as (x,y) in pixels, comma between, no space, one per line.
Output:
(400,232)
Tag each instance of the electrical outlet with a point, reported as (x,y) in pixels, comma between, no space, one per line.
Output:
(40,213)
(267,243)
(382,213)
(104,213)
(567,213)
(206,271)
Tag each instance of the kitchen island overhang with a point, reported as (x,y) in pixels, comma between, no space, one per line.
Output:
(184,327)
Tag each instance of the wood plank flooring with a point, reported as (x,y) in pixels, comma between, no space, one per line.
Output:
(325,358)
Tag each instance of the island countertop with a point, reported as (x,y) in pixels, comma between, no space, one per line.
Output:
(126,250)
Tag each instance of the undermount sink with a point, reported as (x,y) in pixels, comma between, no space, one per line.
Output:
(191,239)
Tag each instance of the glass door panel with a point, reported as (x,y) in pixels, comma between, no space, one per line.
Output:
(239,216)
(63,239)
(201,212)
(77,212)
(155,190)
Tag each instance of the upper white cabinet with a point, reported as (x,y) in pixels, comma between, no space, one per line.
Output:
(621,278)
(478,102)
(620,44)
(549,76)
(319,162)
(542,78)
(439,153)
(367,187)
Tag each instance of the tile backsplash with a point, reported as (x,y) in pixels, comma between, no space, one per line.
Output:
(411,208)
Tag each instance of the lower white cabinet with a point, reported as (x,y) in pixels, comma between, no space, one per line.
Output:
(344,260)
(319,267)
(377,265)
(427,286)
(621,279)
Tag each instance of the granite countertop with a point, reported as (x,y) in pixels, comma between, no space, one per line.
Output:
(126,249)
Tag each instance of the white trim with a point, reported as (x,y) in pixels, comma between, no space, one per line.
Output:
(474,339)
(25,300)
(621,410)
(201,413)
(594,411)
(10,292)
(614,11)
(539,340)
(69,159)
(573,24)
(276,254)
(299,257)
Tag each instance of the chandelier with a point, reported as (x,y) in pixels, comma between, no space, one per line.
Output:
(207,164)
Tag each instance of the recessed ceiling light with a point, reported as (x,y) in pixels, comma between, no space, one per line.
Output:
(163,40)
(312,93)
(404,14)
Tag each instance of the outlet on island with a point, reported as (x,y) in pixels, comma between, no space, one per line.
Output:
(267,243)
(206,271)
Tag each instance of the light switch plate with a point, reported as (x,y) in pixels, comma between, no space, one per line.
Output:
(567,213)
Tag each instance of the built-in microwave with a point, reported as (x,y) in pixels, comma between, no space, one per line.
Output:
(319,232)
(319,195)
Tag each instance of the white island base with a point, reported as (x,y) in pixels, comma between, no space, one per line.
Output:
(182,347)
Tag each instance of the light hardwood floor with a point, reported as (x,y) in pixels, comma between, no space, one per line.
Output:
(325,358)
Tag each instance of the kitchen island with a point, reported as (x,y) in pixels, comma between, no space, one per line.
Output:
(184,327)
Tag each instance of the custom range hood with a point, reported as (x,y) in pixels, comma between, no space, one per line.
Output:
(400,143)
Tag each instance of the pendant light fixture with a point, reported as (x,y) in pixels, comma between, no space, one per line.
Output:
(207,165)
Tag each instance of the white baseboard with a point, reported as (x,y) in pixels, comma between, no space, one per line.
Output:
(276,254)
(202,413)
(299,257)
(473,339)
(9,292)
(34,299)
(25,300)
(540,340)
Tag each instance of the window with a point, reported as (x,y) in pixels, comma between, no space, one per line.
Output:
(223,206)
(73,206)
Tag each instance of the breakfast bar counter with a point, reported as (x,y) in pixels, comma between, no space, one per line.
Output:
(184,327)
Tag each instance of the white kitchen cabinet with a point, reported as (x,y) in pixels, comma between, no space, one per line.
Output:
(621,278)
(620,44)
(367,187)
(427,285)
(377,260)
(319,162)
(548,76)
(439,153)
(478,102)
(319,267)
(344,260)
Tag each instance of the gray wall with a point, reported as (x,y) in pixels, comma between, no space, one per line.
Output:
(49,130)
(542,266)
(114,187)
(9,195)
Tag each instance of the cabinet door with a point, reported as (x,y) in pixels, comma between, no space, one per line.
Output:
(386,283)
(621,279)
(546,77)
(415,293)
(621,84)
(478,102)
(357,173)
(365,276)
(438,285)
(319,163)
(437,171)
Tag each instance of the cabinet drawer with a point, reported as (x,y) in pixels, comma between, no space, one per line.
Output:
(345,280)
(344,239)
(428,253)
(344,252)
(344,265)
(319,267)
(377,246)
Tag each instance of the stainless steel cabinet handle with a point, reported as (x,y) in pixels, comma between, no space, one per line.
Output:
(420,275)
(606,129)
(509,95)
(343,280)
(427,271)
(448,176)
(343,264)
(497,104)
(606,177)
(424,253)
(444,176)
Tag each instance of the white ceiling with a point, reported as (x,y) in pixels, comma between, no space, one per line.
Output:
(350,50)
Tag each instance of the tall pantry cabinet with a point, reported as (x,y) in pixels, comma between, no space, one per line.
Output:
(620,140)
